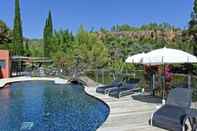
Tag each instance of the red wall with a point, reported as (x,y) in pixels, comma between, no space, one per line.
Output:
(4,55)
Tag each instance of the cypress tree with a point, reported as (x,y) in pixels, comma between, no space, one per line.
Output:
(45,40)
(195,7)
(193,27)
(48,34)
(50,24)
(17,31)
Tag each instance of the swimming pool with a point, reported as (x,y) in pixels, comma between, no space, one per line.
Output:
(45,106)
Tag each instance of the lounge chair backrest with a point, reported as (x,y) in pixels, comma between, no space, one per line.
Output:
(115,81)
(181,97)
(133,81)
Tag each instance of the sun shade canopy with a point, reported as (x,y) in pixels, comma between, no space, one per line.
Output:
(168,56)
(136,59)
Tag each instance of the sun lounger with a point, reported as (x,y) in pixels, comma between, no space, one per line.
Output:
(127,89)
(173,114)
(107,88)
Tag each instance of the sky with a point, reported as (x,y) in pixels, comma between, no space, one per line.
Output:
(93,14)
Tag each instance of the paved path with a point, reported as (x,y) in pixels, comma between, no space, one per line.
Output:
(3,82)
(126,114)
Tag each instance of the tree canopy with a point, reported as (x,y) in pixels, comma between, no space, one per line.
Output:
(5,33)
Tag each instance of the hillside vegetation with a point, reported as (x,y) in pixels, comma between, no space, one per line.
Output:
(96,49)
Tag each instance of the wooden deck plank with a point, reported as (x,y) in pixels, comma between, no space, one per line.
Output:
(126,114)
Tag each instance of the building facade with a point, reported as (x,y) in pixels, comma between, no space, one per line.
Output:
(4,64)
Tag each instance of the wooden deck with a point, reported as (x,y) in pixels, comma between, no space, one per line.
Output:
(127,113)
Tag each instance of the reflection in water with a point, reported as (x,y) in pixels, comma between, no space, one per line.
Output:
(50,107)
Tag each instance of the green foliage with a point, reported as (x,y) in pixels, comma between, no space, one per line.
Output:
(59,59)
(195,7)
(90,50)
(36,47)
(47,35)
(124,27)
(5,34)
(84,51)
(155,26)
(95,50)
(27,51)
(62,40)
(17,32)
(151,26)
(62,49)
(193,27)
(118,65)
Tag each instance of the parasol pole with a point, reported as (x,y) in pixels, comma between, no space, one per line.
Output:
(163,83)
(189,73)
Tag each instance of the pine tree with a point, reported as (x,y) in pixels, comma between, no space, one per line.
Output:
(17,31)
(48,34)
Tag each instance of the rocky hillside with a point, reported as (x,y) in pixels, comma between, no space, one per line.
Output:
(167,35)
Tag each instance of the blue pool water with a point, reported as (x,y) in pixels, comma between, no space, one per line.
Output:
(45,106)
